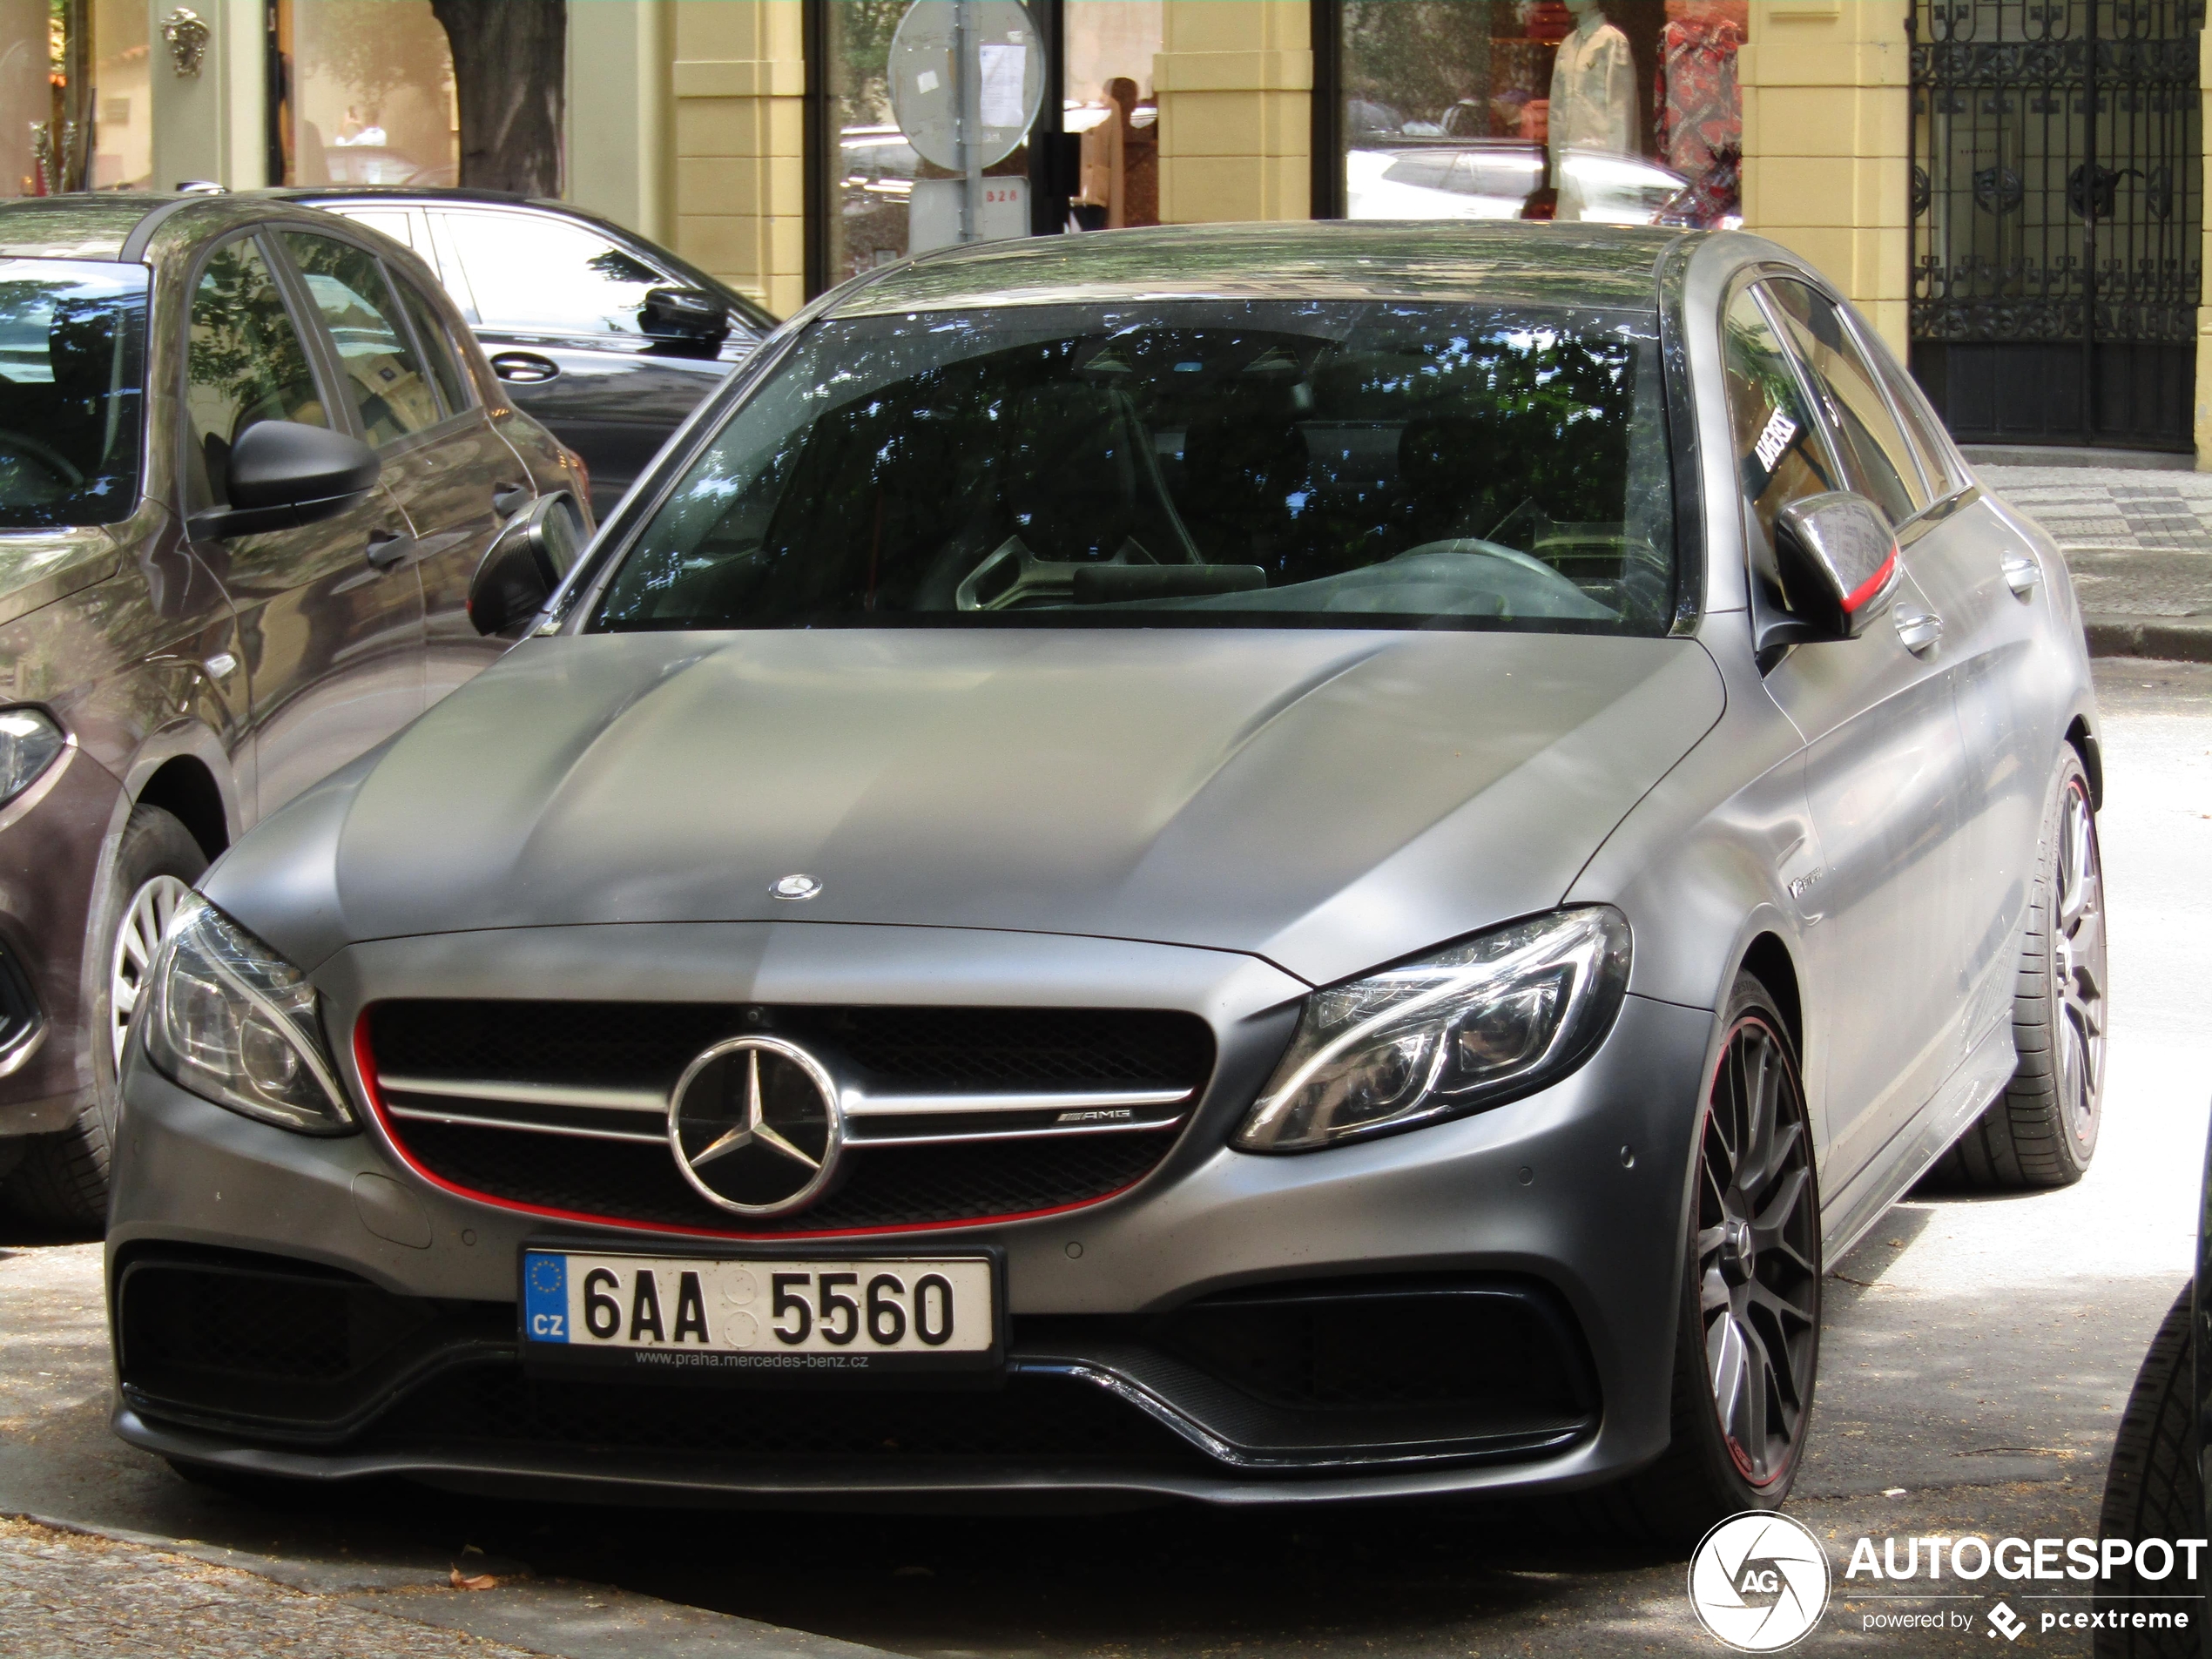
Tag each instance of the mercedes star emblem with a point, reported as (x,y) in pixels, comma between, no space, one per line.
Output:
(795,887)
(756,1126)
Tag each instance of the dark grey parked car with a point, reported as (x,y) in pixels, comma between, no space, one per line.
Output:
(1252,863)
(608,339)
(249,462)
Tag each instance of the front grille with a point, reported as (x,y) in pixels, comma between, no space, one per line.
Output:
(953,1115)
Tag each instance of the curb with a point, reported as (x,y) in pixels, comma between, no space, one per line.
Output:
(559,1618)
(2184,639)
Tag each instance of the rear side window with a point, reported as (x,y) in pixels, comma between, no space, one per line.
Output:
(245,363)
(72,356)
(1876,454)
(383,374)
(1781,456)
(548,276)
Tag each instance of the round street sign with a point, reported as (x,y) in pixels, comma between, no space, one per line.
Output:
(1008,60)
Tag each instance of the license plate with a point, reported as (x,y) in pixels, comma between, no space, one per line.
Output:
(783,1319)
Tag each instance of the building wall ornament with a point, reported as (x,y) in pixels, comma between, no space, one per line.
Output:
(187,37)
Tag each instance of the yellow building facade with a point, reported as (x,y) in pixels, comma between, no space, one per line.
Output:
(728,128)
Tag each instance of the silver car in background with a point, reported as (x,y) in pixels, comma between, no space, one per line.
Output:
(1255,864)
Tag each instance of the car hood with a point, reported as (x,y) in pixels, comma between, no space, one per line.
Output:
(1326,800)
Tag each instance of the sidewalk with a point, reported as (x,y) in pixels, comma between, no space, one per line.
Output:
(2140,545)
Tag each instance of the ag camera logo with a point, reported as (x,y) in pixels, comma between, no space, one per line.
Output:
(1759,1582)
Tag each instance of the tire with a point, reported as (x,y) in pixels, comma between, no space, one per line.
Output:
(2154,1490)
(1713,1469)
(63,1180)
(2042,1130)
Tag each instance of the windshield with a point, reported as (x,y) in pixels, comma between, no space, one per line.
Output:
(1366,464)
(72,342)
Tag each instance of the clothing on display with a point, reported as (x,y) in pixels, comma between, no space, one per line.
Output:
(1701,112)
(1593,99)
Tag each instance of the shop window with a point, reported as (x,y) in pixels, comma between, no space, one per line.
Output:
(1613,112)
(364,94)
(119,101)
(1107,70)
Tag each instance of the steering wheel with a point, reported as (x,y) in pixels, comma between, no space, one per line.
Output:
(51,460)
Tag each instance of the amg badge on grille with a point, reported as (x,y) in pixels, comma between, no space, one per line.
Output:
(756,1126)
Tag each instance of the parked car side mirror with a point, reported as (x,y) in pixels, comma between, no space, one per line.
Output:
(524,563)
(1838,563)
(685,313)
(282,473)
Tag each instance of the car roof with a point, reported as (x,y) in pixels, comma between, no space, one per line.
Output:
(88,227)
(1498,259)
(422,193)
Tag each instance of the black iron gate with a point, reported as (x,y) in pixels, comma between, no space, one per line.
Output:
(2057,210)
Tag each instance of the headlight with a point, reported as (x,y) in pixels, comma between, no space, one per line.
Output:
(235,1024)
(29,742)
(1501,1015)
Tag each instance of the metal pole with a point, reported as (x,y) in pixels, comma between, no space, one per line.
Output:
(969,68)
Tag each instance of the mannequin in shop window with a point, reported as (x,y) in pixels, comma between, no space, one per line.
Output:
(1593,97)
(1701,112)
(1120,166)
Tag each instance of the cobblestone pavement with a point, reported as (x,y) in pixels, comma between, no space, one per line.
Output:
(65,1595)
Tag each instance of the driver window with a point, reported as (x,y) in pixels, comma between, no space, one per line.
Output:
(1781,456)
(244,363)
(1876,455)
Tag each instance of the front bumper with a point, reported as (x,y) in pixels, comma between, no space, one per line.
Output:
(1556,1218)
(50,842)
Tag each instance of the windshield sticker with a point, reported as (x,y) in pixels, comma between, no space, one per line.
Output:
(1780,429)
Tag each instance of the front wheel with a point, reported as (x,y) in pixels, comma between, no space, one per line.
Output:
(1748,1341)
(63,1180)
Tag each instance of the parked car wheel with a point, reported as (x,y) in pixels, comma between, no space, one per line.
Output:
(1747,1344)
(63,1180)
(2153,1490)
(2042,1130)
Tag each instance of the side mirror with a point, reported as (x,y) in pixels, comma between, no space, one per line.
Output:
(685,313)
(524,563)
(282,473)
(1837,560)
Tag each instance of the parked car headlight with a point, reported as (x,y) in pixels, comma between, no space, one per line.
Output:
(1495,1017)
(235,1024)
(29,742)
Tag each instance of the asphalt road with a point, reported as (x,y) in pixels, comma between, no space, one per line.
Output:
(1976,1357)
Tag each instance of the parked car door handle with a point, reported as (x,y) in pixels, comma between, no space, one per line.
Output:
(386,549)
(525,368)
(2022,574)
(1920,631)
(507,498)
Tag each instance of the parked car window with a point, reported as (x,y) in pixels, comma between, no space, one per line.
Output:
(72,354)
(1780,453)
(394,226)
(1338,464)
(245,364)
(453,380)
(1921,428)
(1875,452)
(538,275)
(382,372)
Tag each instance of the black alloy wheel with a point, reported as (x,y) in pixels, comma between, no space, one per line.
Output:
(1758,1246)
(1747,1337)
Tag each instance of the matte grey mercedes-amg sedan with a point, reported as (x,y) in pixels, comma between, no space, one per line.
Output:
(1258,864)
